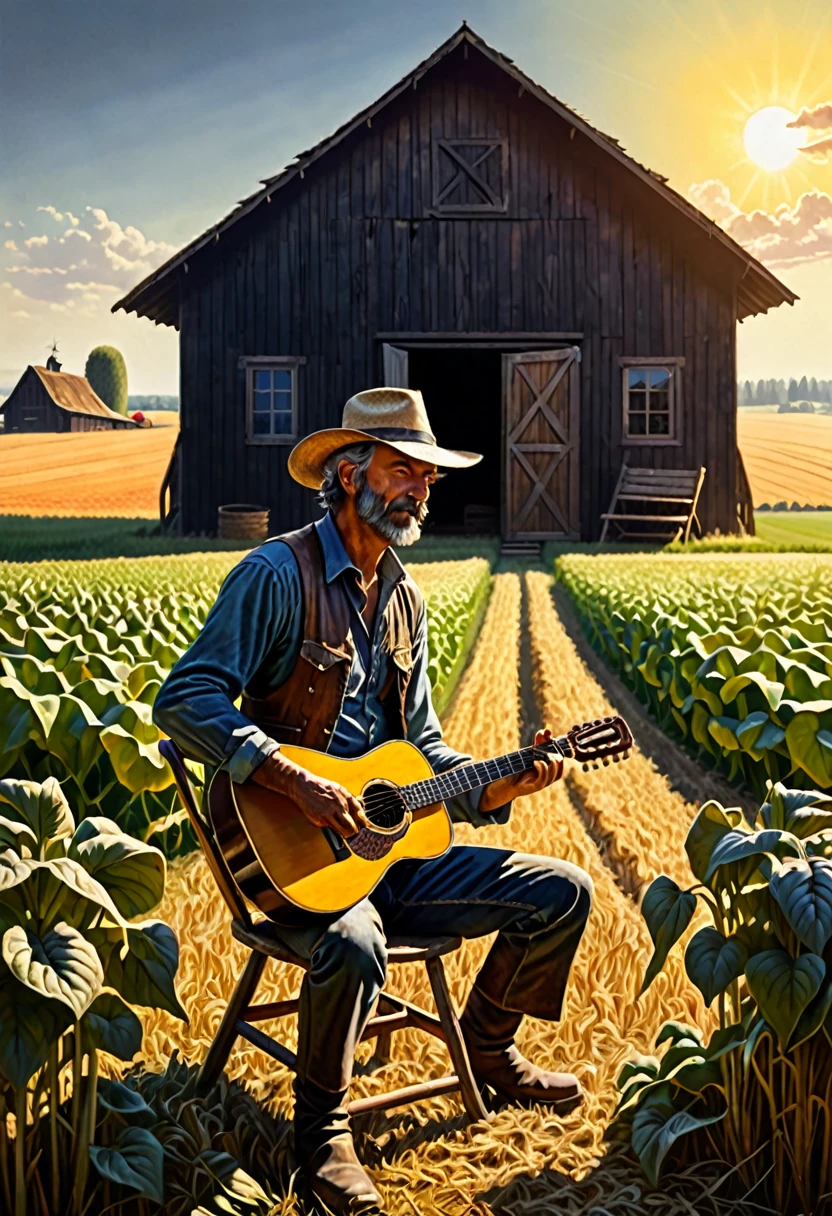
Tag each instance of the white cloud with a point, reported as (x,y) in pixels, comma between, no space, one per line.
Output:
(784,237)
(11,245)
(97,255)
(21,312)
(816,118)
(20,224)
(7,223)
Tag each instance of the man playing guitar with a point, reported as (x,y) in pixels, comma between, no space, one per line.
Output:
(329,610)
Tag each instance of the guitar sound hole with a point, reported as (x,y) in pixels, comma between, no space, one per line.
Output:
(384,805)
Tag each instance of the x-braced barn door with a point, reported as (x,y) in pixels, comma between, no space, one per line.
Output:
(541,426)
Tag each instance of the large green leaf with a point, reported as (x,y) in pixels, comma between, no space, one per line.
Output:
(144,976)
(138,765)
(713,961)
(92,895)
(810,746)
(43,806)
(75,736)
(17,836)
(783,987)
(60,966)
(784,805)
(668,911)
(124,1101)
(132,872)
(710,825)
(29,1026)
(738,846)
(656,1128)
(110,1025)
(803,889)
(813,1016)
(137,1162)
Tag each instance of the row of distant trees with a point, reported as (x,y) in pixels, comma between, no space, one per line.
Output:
(778,392)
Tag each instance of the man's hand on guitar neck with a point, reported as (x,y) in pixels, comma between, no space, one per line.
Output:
(499,792)
(325,803)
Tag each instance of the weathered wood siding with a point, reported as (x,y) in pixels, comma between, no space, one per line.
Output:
(30,408)
(354,250)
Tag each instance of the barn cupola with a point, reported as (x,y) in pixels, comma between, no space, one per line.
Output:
(52,364)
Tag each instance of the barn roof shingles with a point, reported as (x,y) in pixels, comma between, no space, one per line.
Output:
(757,291)
(75,394)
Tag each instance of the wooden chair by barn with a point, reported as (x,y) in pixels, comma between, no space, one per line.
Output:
(651,489)
(260,935)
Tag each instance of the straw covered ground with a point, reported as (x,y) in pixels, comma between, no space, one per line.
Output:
(425,1160)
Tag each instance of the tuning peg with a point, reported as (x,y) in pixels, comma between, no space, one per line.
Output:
(606,761)
(616,758)
(585,766)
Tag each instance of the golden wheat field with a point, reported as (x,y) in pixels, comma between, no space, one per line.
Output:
(425,1159)
(788,457)
(93,473)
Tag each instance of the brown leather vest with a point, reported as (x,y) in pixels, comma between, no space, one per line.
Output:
(305,708)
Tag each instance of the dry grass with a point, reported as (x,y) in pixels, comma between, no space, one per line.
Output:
(95,473)
(524,1161)
(788,457)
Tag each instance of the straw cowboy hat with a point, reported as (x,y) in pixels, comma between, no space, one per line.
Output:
(397,416)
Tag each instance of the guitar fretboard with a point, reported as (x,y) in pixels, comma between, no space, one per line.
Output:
(480,772)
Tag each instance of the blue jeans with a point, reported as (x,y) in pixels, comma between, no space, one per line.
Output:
(538,904)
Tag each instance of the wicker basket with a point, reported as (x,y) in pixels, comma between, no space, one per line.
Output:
(243,521)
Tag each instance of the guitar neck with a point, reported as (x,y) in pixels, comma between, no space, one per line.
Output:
(480,772)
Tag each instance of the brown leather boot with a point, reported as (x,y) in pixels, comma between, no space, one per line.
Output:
(325,1151)
(489,1032)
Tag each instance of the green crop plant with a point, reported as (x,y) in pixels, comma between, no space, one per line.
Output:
(758,1095)
(106,372)
(85,647)
(74,962)
(733,655)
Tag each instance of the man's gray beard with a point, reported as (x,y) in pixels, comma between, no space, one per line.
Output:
(373,510)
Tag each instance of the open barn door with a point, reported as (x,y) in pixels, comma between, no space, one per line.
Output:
(541,425)
(394,360)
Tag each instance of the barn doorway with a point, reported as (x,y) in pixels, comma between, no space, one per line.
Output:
(463,395)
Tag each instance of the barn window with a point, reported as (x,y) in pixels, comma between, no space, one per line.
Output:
(651,396)
(271,399)
(469,176)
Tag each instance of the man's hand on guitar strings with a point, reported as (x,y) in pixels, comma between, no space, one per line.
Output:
(499,792)
(326,804)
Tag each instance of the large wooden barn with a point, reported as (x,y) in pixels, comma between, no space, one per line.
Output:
(469,235)
(47,399)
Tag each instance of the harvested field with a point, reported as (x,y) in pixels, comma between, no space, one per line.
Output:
(95,473)
(523,1162)
(788,457)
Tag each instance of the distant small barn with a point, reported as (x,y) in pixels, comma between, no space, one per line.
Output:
(471,236)
(45,400)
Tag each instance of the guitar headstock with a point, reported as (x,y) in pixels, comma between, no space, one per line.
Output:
(598,742)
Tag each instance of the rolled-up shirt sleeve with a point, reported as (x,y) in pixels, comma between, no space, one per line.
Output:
(425,732)
(257,613)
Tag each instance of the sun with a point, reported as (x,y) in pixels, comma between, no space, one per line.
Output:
(769,142)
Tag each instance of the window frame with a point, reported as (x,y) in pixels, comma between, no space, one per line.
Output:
(674,364)
(496,143)
(263,363)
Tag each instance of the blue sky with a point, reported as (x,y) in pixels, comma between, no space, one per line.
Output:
(140,123)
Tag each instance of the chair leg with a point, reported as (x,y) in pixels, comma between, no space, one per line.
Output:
(241,997)
(471,1097)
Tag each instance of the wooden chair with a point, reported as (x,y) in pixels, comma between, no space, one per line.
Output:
(262,938)
(651,487)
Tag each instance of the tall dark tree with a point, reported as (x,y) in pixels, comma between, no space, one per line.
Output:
(760,394)
(106,372)
(802,389)
(747,393)
(792,389)
(813,390)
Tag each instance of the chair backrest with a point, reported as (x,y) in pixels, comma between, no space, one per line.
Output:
(660,483)
(205,833)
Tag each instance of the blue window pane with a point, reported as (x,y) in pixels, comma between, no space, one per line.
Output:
(637,377)
(659,378)
(262,380)
(261,424)
(262,402)
(282,379)
(282,421)
(282,400)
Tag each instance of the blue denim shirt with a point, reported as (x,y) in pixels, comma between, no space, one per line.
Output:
(250,641)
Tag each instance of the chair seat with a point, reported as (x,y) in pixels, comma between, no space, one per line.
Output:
(264,936)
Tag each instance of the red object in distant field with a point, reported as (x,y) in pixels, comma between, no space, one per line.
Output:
(138,416)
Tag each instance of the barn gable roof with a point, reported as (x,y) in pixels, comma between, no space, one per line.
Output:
(71,393)
(758,289)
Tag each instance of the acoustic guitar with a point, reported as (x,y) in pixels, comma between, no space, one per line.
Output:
(277,857)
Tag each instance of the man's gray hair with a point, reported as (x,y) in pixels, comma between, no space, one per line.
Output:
(332,494)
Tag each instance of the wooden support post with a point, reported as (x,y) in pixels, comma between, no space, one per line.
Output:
(220,1049)
(471,1097)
